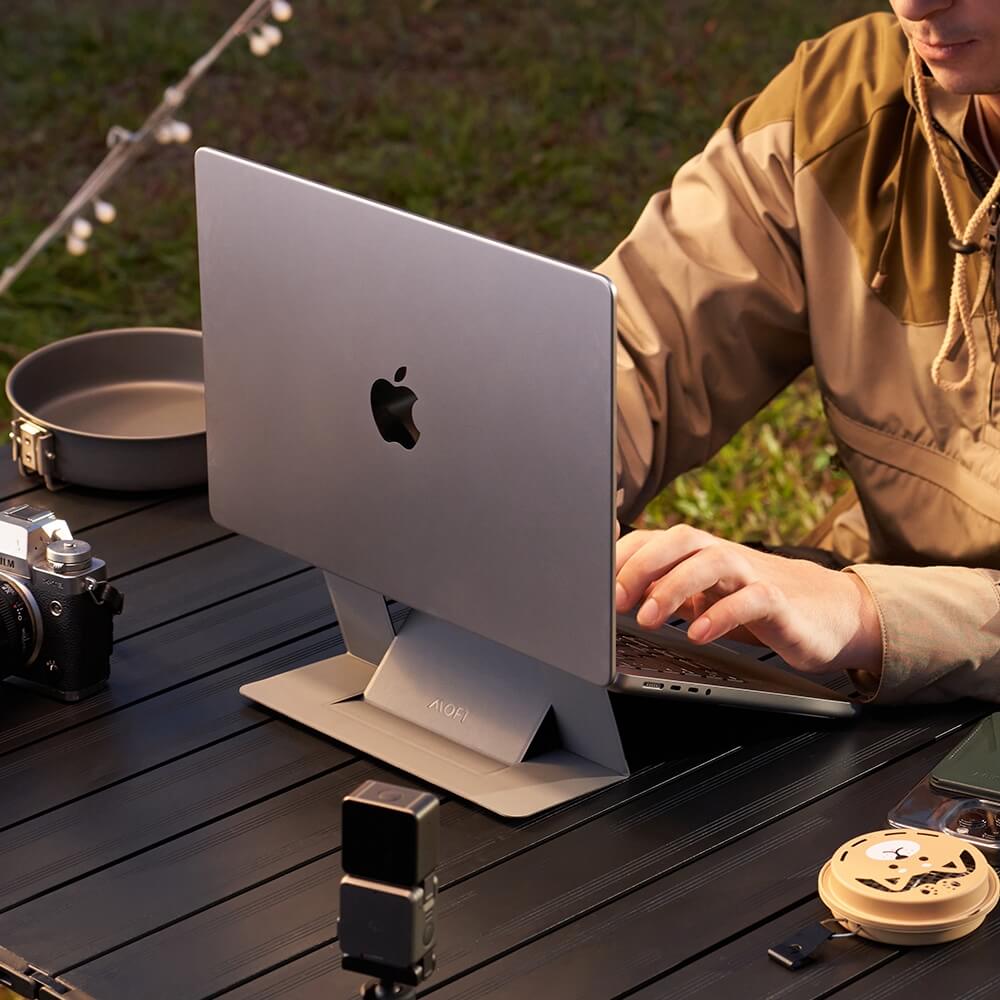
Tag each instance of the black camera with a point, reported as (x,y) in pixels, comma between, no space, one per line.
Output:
(389,889)
(56,606)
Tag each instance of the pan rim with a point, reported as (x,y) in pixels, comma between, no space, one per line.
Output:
(31,358)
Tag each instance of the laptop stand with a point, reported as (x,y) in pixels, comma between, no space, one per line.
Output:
(464,713)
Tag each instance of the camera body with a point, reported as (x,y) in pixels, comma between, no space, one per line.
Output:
(391,926)
(389,890)
(56,606)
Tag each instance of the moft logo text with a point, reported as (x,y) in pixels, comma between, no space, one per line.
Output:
(449,709)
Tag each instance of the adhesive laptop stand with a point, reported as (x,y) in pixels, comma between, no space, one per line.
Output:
(365,328)
(505,731)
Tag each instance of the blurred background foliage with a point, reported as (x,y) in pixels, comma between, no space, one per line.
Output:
(543,124)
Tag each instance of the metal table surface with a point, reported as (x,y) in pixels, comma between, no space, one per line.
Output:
(168,839)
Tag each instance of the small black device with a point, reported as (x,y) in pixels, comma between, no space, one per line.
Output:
(56,606)
(973,767)
(389,889)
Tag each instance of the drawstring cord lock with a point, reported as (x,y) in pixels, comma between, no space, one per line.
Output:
(963,248)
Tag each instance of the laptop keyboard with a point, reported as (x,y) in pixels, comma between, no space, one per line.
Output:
(634,653)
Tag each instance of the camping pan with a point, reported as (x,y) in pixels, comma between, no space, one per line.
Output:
(114,410)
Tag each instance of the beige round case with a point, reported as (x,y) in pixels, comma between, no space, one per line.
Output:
(909,886)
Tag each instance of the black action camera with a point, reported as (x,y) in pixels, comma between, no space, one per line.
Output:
(389,889)
(56,606)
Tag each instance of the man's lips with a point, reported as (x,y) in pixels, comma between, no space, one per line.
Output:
(941,50)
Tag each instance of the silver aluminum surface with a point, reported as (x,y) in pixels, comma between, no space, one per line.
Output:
(501,519)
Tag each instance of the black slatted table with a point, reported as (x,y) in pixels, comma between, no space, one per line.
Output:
(168,839)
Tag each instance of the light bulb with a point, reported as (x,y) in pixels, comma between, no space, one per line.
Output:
(165,133)
(180,131)
(104,211)
(281,10)
(81,228)
(259,45)
(272,33)
(75,245)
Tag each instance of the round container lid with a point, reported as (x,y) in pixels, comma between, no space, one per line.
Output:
(908,881)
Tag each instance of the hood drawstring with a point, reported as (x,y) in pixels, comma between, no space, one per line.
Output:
(959,308)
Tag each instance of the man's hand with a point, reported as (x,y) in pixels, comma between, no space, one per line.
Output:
(816,619)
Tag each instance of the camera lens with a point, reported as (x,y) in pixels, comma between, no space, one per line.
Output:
(20,625)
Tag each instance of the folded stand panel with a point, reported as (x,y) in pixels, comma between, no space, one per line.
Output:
(459,711)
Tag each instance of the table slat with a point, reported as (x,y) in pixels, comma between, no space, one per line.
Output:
(722,973)
(505,906)
(966,969)
(175,654)
(110,749)
(189,872)
(128,818)
(692,909)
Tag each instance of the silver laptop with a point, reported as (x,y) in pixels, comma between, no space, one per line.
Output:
(429,416)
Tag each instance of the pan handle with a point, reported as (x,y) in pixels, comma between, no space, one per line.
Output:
(34,450)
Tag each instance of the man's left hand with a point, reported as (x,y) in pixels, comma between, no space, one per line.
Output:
(816,619)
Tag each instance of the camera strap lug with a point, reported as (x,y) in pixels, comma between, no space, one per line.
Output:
(105,592)
(24,980)
(34,450)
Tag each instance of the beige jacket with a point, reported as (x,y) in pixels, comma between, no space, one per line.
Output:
(812,230)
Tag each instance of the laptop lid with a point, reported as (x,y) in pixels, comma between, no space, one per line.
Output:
(423,411)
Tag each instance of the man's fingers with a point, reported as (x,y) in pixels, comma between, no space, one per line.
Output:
(719,566)
(760,606)
(626,547)
(654,556)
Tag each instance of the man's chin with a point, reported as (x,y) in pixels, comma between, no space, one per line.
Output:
(957,81)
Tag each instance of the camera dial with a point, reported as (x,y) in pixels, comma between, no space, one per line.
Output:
(68,553)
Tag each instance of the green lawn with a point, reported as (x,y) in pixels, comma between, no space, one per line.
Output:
(544,124)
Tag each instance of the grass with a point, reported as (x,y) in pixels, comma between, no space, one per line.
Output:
(546,125)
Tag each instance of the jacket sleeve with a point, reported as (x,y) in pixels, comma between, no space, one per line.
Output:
(711,301)
(940,633)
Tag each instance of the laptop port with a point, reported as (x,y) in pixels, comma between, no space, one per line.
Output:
(655,685)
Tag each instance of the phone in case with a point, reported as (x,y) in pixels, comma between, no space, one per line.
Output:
(973,767)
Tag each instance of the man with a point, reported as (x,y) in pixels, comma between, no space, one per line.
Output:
(846,217)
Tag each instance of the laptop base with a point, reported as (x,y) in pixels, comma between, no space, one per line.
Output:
(489,724)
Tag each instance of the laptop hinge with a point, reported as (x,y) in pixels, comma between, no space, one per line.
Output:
(21,979)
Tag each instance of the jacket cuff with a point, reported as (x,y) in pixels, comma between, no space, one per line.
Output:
(940,633)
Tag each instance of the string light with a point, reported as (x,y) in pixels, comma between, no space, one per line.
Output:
(104,211)
(173,131)
(259,45)
(160,126)
(267,35)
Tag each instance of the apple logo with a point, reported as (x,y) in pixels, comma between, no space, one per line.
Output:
(392,408)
